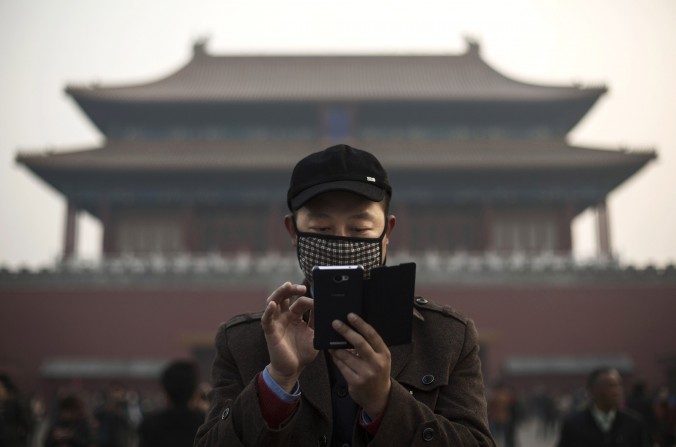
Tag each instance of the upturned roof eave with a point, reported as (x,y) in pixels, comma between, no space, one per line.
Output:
(448,72)
(112,96)
(60,162)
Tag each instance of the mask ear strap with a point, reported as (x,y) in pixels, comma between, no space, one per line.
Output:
(382,248)
(382,236)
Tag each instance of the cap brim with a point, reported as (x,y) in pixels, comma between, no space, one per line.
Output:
(371,192)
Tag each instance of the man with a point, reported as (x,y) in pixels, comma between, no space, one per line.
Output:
(177,424)
(604,423)
(271,387)
(114,426)
(15,418)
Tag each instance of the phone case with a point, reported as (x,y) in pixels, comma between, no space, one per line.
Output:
(388,302)
(336,292)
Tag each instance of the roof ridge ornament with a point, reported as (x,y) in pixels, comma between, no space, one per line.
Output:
(473,45)
(199,46)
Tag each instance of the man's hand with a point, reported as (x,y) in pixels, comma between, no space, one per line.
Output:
(288,336)
(366,368)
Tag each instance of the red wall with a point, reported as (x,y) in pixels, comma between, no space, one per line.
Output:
(114,324)
(636,320)
(577,320)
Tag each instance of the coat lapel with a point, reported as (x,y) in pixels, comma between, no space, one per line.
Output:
(593,425)
(400,355)
(315,385)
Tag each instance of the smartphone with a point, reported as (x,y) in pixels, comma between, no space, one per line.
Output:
(337,291)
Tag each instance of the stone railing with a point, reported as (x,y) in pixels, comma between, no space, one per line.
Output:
(432,267)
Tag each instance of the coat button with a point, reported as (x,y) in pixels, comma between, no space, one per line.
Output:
(225,413)
(421,301)
(323,442)
(428,434)
(341,391)
(427,379)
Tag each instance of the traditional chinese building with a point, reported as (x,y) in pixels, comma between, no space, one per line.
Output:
(190,186)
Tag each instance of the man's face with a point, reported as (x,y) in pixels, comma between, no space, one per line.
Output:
(607,391)
(339,213)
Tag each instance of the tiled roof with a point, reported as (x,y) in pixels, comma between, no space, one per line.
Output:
(236,78)
(283,154)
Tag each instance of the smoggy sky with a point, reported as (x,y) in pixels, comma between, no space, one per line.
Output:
(628,45)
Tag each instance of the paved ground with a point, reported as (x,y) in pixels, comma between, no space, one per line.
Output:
(527,436)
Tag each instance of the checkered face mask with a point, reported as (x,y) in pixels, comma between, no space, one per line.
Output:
(319,249)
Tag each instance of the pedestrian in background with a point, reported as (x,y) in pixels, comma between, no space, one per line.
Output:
(15,418)
(176,425)
(71,426)
(603,422)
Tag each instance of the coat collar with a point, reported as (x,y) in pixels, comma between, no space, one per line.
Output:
(618,420)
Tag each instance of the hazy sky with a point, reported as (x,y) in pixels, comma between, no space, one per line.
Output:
(628,45)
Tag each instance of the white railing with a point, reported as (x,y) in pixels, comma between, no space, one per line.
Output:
(245,264)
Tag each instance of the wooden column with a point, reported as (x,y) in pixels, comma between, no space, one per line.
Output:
(603,231)
(565,236)
(402,230)
(108,230)
(486,242)
(272,228)
(189,230)
(70,231)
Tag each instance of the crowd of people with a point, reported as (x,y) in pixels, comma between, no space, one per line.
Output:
(115,417)
(546,410)
(121,417)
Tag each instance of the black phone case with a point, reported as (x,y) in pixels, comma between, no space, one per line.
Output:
(334,300)
(388,302)
(385,301)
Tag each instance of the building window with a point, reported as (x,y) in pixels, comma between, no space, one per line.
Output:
(240,230)
(525,235)
(149,234)
(445,233)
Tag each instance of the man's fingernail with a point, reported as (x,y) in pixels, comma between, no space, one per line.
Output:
(352,316)
(336,324)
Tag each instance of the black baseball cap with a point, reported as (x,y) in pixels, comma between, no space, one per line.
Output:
(338,168)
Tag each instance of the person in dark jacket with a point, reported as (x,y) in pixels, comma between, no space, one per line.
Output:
(640,402)
(115,428)
(15,419)
(272,388)
(176,425)
(604,422)
(71,427)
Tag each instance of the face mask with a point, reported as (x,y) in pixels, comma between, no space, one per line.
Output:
(319,249)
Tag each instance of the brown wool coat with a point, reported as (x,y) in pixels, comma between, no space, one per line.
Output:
(446,408)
